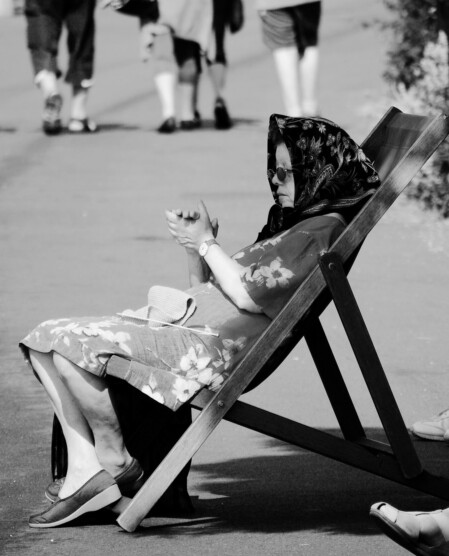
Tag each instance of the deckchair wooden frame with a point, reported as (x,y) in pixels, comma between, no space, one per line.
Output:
(396,460)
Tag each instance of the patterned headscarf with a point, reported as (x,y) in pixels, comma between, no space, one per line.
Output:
(331,172)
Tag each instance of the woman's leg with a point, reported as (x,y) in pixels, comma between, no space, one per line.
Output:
(82,459)
(91,394)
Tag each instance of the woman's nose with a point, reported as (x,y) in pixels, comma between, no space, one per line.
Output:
(276,181)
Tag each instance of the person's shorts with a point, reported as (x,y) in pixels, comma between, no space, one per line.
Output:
(188,58)
(294,26)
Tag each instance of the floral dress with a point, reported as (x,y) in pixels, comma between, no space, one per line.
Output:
(179,361)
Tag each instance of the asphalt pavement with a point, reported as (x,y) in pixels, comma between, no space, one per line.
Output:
(82,232)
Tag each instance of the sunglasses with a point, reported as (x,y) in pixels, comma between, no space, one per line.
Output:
(281,173)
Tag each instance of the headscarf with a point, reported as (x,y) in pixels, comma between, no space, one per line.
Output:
(331,172)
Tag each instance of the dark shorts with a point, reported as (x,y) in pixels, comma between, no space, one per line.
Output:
(295,26)
(188,58)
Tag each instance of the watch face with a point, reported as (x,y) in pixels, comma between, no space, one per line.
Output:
(203,249)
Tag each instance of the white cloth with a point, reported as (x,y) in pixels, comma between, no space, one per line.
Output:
(189,19)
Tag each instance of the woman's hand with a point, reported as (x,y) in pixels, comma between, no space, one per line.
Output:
(187,228)
(190,228)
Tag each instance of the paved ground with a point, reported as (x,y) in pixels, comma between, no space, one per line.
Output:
(82,232)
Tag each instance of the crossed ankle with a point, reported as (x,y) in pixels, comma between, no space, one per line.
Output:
(115,463)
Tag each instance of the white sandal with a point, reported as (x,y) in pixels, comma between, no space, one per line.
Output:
(406,530)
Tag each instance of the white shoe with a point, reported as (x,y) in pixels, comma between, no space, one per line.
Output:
(435,428)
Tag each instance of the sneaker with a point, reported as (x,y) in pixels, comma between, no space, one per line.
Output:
(51,117)
(435,428)
(85,125)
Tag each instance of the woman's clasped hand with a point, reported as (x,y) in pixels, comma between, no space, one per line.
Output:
(191,228)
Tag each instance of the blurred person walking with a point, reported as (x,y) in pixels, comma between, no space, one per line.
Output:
(45,21)
(176,40)
(290,31)
(227,14)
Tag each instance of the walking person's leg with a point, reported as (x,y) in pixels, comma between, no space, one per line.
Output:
(44,24)
(80,22)
(308,75)
(279,35)
(292,35)
(188,59)
(217,65)
(287,66)
(308,18)
(165,77)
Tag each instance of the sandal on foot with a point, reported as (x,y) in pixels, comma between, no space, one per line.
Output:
(97,493)
(82,126)
(51,117)
(129,482)
(405,529)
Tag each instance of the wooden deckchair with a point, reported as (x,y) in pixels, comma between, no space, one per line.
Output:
(399,146)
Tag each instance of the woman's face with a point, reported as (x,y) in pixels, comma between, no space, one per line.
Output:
(283,178)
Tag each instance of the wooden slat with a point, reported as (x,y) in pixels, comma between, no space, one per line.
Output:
(369,455)
(333,382)
(370,365)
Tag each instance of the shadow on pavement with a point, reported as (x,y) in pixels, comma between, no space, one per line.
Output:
(102,128)
(291,489)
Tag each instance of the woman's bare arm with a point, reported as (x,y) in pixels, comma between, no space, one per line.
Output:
(198,270)
(191,229)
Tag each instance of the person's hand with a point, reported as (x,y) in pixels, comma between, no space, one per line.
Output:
(146,39)
(190,228)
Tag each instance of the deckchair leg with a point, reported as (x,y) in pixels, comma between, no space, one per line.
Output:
(176,459)
(333,382)
(370,365)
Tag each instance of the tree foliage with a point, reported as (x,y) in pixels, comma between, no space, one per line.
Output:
(414,24)
(418,69)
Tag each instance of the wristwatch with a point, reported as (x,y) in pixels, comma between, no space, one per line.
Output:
(204,247)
